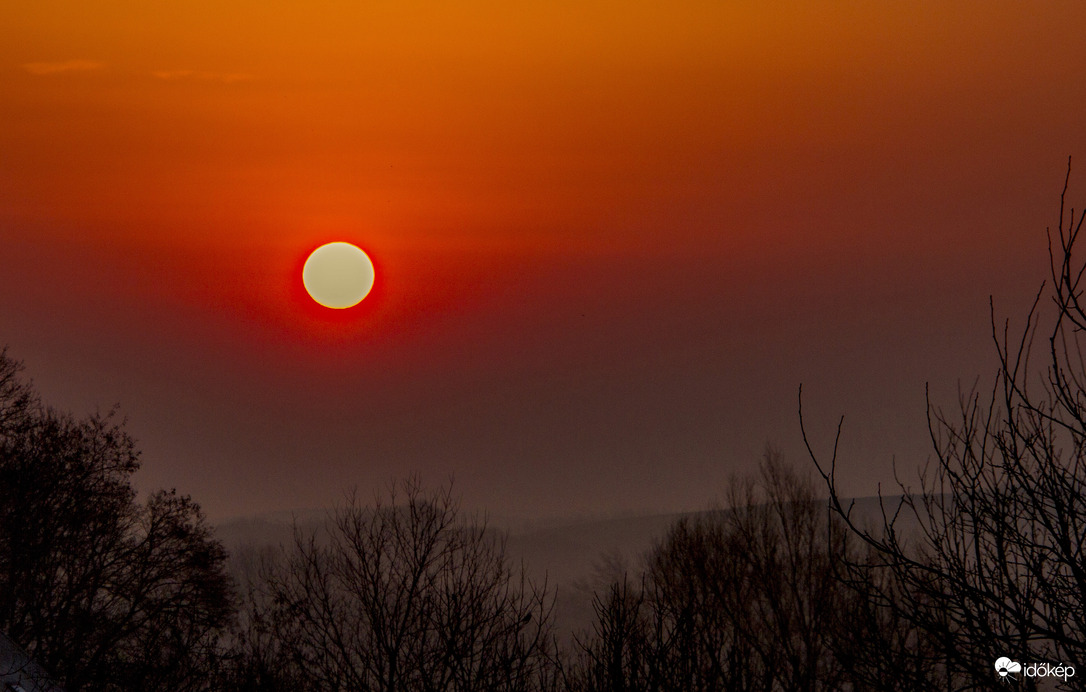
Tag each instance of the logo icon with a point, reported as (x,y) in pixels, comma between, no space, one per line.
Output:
(1005,666)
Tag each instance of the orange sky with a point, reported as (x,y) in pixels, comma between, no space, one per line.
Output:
(411,121)
(602,210)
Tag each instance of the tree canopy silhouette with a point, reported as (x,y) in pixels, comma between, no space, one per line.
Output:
(406,594)
(746,597)
(102,590)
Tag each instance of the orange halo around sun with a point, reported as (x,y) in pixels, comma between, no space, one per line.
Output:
(338,275)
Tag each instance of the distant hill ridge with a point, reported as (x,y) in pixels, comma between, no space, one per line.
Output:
(568,554)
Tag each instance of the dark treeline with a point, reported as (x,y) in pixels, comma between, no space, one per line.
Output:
(774,590)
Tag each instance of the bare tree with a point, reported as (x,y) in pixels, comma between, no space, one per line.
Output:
(256,653)
(996,562)
(741,598)
(406,595)
(878,644)
(104,592)
(617,656)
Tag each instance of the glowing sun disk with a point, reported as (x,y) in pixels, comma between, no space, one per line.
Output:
(338,275)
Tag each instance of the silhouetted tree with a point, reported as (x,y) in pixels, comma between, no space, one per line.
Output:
(878,646)
(257,655)
(618,655)
(994,560)
(105,592)
(741,598)
(405,595)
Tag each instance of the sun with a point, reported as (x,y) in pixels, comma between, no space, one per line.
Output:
(338,275)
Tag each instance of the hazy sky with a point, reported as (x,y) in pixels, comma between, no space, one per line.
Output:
(611,239)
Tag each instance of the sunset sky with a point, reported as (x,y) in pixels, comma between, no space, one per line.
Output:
(611,240)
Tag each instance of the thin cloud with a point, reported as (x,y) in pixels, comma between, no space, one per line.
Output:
(172,74)
(47,68)
(224,77)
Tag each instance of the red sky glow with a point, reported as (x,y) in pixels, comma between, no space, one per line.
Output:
(611,239)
